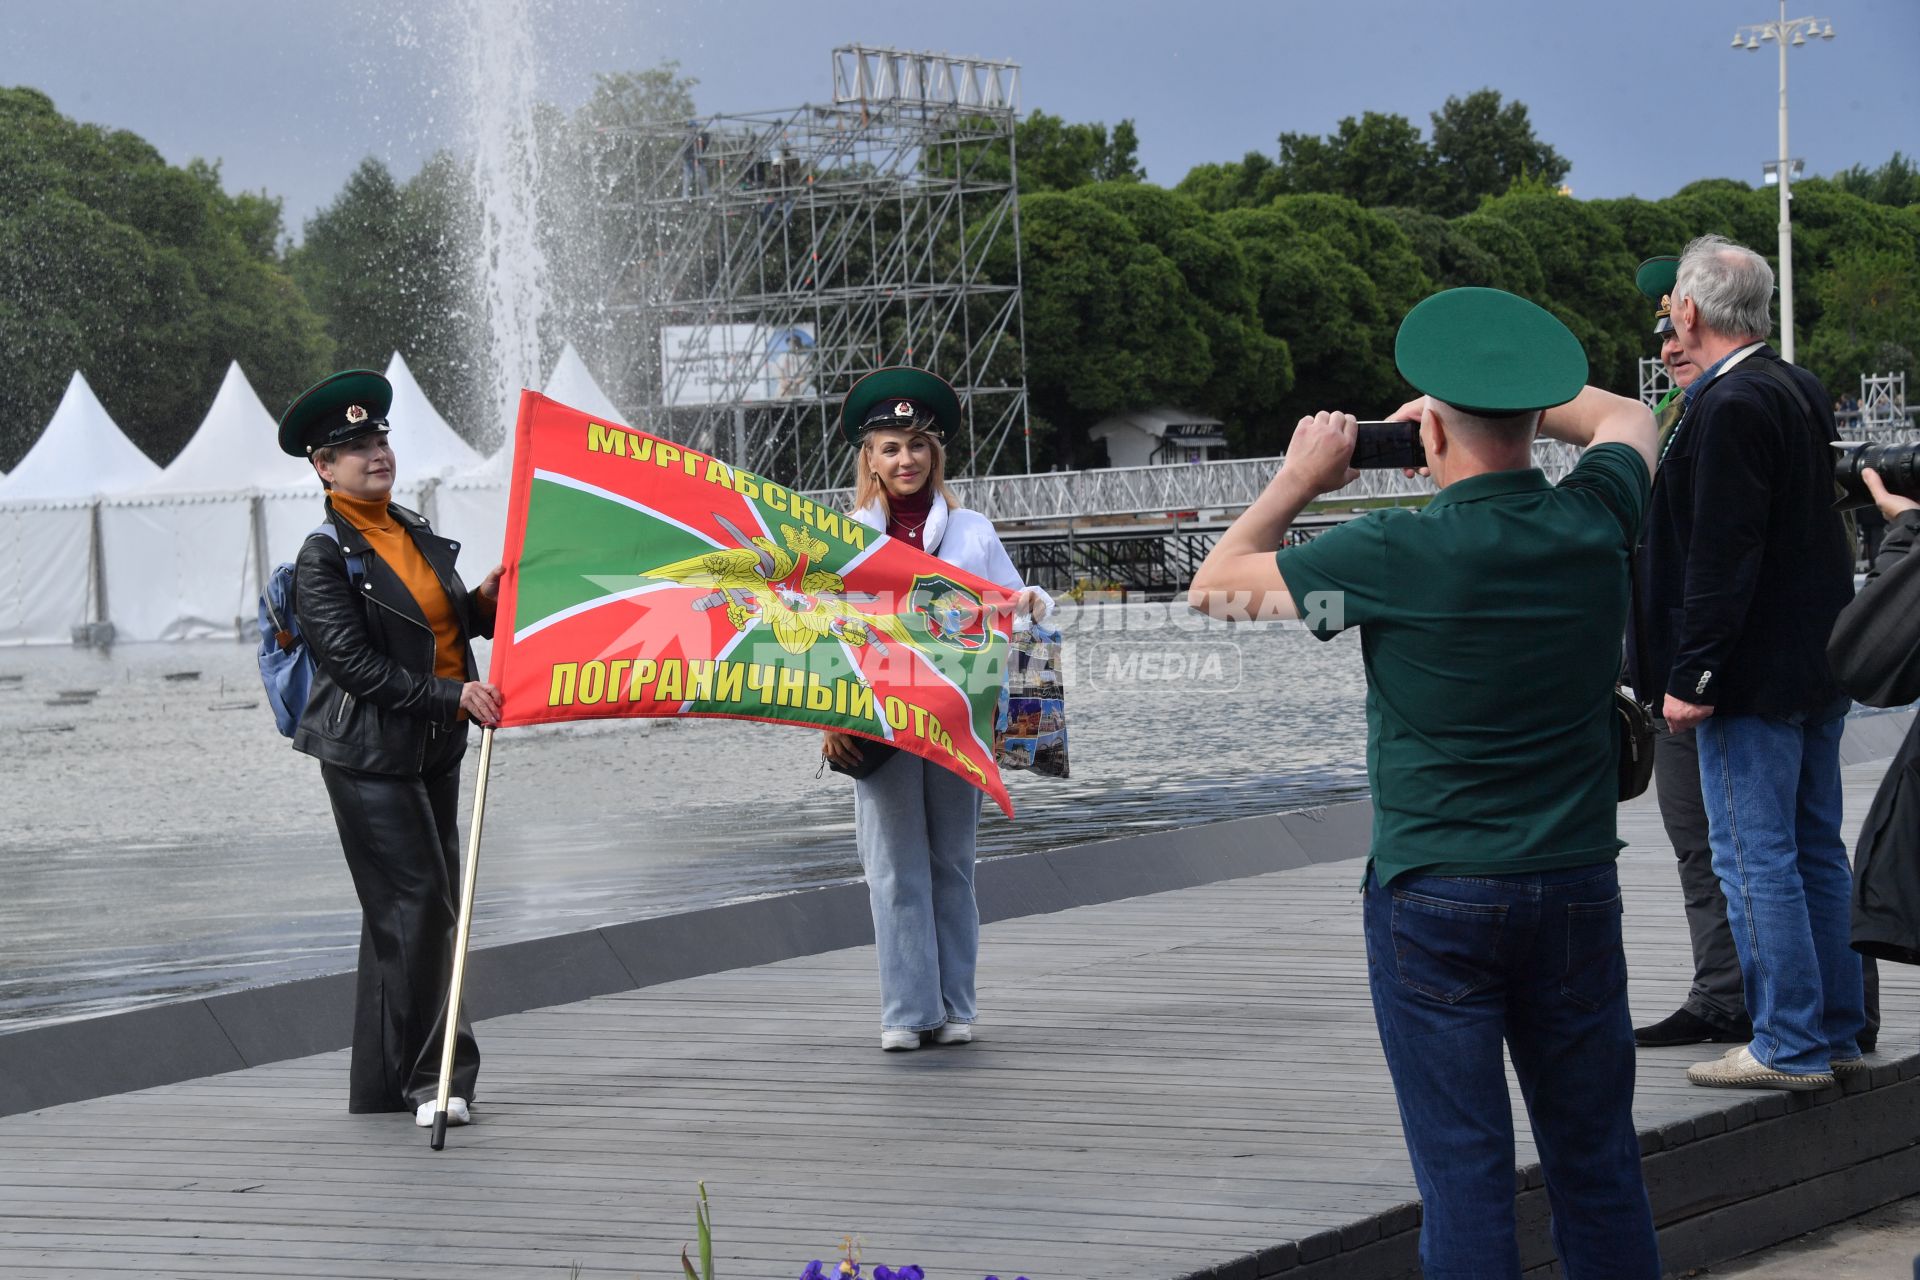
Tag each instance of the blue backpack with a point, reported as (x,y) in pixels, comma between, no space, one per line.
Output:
(286,664)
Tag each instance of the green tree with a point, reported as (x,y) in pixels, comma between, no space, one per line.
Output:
(147,277)
(1870,303)
(1110,323)
(1896,183)
(1449,258)
(1329,311)
(1375,160)
(1054,155)
(390,266)
(1245,184)
(1586,278)
(1251,370)
(1517,268)
(1481,147)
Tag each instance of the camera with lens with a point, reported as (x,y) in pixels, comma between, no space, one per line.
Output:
(1898,466)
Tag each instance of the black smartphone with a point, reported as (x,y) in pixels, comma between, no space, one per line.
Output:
(1388,446)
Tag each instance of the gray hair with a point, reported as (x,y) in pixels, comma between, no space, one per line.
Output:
(1730,283)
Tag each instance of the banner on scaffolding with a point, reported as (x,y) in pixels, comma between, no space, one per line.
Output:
(644,578)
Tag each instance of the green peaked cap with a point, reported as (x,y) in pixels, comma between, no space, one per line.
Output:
(1655,279)
(870,397)
(1487,352)
(1656,276)
(336,409)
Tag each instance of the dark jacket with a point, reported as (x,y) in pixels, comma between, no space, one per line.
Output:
(1745,563)
(1875,652)
(374,693)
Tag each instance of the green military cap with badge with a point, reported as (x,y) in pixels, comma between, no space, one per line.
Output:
(1489,353)
(334,410)
(1655,279)
(903,397)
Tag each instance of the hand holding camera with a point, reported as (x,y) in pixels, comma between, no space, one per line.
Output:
(1320,456)
(1890,504)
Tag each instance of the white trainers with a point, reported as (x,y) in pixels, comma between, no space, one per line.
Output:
(1739,1069)
(896,1041)
(457,1113)
(953,1033)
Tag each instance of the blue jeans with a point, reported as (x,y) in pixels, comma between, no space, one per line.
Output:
(914,823)
(1459,964)
(1772,789)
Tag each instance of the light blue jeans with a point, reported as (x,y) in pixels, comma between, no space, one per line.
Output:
(1772,791)
(915,823)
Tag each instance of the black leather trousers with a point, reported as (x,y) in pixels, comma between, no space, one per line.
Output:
(402,842)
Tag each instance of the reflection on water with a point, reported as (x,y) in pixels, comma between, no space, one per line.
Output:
(159,839)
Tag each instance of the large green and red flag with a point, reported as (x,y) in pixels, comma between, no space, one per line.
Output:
(644,578)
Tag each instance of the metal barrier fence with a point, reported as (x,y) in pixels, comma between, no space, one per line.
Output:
(1177,487)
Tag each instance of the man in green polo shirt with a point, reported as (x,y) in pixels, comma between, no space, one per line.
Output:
(1489,623)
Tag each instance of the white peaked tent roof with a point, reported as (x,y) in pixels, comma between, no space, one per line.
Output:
(423,444)
(80,453)
(237,447)
(571,385)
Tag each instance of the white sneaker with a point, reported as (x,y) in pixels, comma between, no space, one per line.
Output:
(457,1113)
(896,1041)
(953,1033)
(1737,1068)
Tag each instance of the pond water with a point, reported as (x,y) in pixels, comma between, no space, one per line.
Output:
(159,839)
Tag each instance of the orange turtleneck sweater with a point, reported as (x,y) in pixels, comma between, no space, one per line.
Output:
(391,542)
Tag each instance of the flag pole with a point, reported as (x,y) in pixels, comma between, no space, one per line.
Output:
(450,1031)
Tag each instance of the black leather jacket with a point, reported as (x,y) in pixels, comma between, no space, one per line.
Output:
(1875,652)
(374,693)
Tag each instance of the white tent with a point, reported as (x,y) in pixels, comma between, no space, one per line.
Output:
(80,453)
(472,506)
(46,518)
(181,550)
(424,446)
(573,386)
(237,448)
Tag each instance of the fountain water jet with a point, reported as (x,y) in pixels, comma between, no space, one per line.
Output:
(498,82)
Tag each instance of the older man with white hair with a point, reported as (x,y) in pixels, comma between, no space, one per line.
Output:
(1746,566)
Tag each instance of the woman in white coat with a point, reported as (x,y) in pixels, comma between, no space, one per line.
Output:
(915,822)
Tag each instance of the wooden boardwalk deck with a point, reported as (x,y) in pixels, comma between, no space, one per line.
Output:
(1164,1085)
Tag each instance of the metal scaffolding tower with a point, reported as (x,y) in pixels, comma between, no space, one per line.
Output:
(1655,380)
(776,256)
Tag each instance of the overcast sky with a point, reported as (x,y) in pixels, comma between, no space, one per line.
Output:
(1641,95)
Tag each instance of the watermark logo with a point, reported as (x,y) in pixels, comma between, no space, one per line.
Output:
(1180,666)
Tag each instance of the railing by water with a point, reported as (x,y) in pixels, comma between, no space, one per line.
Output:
(1168,489)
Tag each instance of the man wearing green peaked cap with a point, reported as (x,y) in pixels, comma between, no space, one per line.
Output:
(1655,280)
(1490,624)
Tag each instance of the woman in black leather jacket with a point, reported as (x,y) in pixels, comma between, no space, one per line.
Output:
(389,624)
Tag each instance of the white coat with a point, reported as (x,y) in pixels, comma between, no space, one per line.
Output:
(966,540)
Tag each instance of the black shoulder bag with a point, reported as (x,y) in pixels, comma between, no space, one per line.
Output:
(872,756)
(1633,716)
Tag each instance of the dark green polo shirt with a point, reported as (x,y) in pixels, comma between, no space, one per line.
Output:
(1491,623)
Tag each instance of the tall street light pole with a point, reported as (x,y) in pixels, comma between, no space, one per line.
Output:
(1782,32)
